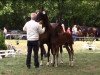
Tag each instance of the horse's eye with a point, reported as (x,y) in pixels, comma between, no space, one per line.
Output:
(43,12)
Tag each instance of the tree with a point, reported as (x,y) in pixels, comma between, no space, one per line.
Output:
(14,13)
(2,42)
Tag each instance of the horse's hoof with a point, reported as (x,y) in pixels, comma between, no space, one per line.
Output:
(53,65)
(61,62)
(56,65)
(51,62)
(47,64)
(72,63)
(41,63)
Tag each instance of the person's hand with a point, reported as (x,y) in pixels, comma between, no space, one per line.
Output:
(40,22)
(43,28)
(40,25)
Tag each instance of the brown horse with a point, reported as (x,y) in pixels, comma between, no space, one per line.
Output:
(59,38)
(55,38)
(92,31)
(84,31)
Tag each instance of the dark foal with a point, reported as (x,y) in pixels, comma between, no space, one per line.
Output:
(58,39)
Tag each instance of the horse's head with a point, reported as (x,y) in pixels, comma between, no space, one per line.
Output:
(58,30)
(42,18)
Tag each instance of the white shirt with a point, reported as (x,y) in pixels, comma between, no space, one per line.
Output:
(33,30)
(5,31)
(74,30)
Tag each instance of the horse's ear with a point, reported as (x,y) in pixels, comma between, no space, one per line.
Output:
(43,12)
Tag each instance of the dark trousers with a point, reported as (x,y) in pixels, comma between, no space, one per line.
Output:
(32,45)
(74,37)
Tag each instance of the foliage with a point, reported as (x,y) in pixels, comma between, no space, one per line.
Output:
(14,13)
(2,42)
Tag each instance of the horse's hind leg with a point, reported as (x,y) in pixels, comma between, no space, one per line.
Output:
(72,54)
(69,53)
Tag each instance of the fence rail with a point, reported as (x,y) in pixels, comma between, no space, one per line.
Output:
(88,38)
(23,36)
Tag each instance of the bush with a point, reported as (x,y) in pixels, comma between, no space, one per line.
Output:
(2,42)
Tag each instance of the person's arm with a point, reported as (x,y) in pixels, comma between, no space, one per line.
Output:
(63,27)
(40,29)
(24,28)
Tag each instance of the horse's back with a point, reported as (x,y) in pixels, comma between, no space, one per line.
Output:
(53,25)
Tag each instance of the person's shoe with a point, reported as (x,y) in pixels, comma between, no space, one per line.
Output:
(37,69)
(36,66)
(28,66)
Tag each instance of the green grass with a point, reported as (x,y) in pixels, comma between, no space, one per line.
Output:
(85,64)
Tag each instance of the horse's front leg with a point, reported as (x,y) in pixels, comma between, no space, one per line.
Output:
(48,55)
(56,62)
(53,64)
(61,51)
(69,53)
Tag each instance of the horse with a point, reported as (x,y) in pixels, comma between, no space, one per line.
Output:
(94,32)
(45,37)
(90,32)
(56,38)
(82,31)
(98,32)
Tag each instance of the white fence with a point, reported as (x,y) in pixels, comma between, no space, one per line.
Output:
(87,38)
(7,53)
(15,36)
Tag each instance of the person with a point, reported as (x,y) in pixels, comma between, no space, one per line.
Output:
(74,32)
(68,30)
(63,27)
(5,31)
(33,29)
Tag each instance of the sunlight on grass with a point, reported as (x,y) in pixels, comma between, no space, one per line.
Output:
(77,46)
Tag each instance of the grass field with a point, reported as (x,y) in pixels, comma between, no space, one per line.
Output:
(86,63)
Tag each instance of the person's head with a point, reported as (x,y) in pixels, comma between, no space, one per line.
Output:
(33,16)
(4,27)
(74,25)
(68,27)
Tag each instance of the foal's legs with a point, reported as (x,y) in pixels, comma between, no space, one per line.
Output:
(71,53)
(55,56)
